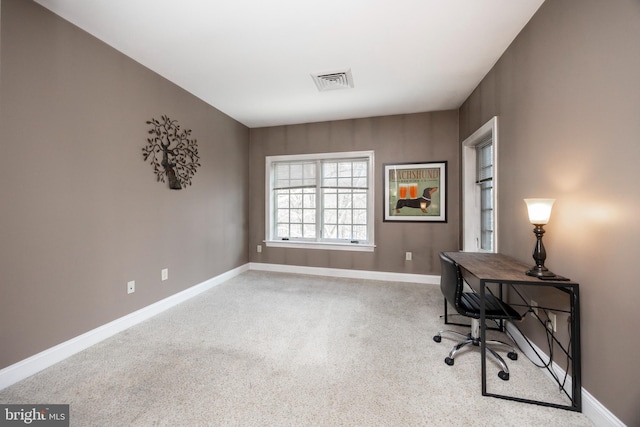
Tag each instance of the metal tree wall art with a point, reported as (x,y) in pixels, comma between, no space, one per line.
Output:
(171,152)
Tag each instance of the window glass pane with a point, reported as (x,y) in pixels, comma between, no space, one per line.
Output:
(484,156)
(344,232)
(329,174)
(346,173)
(296,171)
(487,220)
(484,177)
(296,230)
(330,199)
(344,168)
(282,231)
(309,231)
(487,240)
(359,200)
(344,182)
(309,173)
(283,199)
(330,182)
(359,232)
(282,177)
(294,174)
(309,199)
(359,216)
(295,216)
(330,231)
(295,199)
(360,182)
(282,215)
(360,168)
(330,216)
(309,216)
(486,195)
(344,216)
(282,172)
(344,200)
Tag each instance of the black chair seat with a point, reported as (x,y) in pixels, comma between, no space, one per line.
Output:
(494,307)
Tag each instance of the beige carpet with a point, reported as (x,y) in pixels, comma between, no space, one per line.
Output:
(269,349)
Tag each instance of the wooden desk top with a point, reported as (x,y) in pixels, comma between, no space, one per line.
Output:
(493,267)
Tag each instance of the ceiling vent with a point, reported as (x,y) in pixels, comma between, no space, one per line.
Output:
(333,81)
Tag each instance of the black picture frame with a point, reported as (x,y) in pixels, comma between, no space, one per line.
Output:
(415,192)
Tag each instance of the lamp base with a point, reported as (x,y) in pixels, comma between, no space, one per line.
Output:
(540,272)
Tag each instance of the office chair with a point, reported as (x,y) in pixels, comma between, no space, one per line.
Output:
(468,305)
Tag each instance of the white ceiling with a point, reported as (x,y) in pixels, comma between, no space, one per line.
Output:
(253,59)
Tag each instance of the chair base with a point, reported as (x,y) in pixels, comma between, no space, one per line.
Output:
(473,339)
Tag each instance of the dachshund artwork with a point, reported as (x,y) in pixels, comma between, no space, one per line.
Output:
(421,203)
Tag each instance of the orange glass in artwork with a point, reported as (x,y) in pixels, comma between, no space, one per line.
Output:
(413,190)
(403,191)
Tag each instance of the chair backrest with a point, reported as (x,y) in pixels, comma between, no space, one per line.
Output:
(451,283)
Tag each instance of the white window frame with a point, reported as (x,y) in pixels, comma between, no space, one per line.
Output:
(270,241)
(471,237)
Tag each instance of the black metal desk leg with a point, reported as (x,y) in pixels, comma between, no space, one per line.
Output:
(483,349)
(576,394)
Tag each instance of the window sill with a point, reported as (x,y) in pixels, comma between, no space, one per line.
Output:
(356,247)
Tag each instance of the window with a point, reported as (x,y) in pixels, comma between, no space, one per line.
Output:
(320,201)
(484,179)
(479,189)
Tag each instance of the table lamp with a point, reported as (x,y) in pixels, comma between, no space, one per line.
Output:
(539,213)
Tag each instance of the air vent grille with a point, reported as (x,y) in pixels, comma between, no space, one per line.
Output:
(333,81)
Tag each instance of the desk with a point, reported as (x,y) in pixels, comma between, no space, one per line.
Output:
(486,268)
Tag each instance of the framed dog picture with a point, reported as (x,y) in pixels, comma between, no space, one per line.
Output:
(415,192)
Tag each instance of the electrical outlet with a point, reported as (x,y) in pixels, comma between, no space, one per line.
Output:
(164,273)
(259,248)
(131,287)
(552,324)
(534,307)
(408,256)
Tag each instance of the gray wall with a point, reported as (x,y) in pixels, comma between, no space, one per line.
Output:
(81,212)
(395,139)
(567,94)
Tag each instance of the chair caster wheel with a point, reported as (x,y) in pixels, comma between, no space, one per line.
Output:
(512,355)
(449,361)
(503,375)
(437,338)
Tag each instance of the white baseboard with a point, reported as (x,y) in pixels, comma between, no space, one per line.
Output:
(540,358)
(591,407)
(36,363)
(348,274)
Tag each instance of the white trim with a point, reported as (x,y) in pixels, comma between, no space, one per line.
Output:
(312,244)
(320,156)
(597,412)
(12,374)
(40,361)
(321,245)
(470,194)
(36,363)
(348,274)
(591,407)
(525,347)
